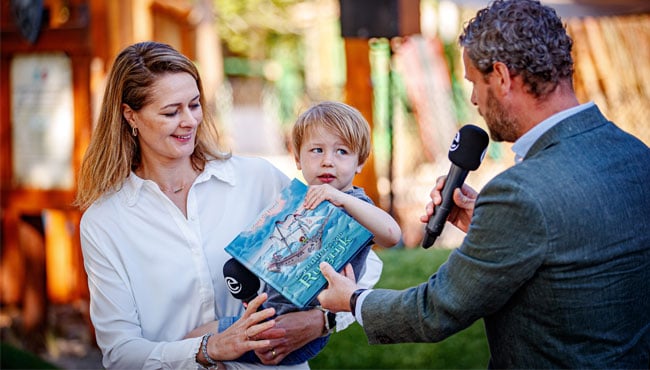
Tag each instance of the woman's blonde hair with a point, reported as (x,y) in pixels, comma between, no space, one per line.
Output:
(344,120)
(113,151)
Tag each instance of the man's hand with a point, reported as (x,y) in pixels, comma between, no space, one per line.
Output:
(464,199)
(336,297)
(299,328)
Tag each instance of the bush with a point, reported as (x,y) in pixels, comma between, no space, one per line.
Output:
(403,268)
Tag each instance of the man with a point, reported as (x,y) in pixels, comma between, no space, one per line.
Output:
(556,259)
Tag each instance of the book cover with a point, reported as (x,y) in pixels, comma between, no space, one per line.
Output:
(287,242)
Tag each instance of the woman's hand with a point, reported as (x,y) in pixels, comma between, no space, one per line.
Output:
(464,199)
(243,335)
(300,328)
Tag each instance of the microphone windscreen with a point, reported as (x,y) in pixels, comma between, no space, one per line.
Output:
(241,282)
(468,148)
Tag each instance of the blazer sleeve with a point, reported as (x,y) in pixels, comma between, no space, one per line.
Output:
(503,248)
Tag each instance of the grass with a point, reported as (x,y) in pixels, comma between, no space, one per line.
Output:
(12,357)
(404,268)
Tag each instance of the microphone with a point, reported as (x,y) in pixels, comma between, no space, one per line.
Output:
(241,282)
(465,153)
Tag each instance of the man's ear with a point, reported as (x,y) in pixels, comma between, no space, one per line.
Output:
(501,75)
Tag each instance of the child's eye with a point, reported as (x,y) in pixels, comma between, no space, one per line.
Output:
(316,150)
(342,151)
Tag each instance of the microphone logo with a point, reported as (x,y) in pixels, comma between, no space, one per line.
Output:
(233,285)
(455,143)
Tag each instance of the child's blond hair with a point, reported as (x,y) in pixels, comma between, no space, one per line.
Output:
(344,120)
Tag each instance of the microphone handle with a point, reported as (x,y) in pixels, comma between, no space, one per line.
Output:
(455,179)
(246,301)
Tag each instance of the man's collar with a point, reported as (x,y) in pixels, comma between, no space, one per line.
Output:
(526,141)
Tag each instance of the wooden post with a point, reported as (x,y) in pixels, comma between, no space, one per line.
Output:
(362,20)
(358,93)
(22,268)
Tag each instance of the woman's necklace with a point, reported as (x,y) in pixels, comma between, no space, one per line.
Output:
(173,190)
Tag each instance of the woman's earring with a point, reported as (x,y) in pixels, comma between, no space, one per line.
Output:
(134,131)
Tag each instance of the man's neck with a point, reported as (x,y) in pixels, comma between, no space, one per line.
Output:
(562,98)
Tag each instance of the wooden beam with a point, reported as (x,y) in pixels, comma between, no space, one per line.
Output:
(358,93)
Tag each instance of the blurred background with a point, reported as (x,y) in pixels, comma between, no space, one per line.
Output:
(263,62)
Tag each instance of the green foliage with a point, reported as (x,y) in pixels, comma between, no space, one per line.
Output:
(249,26)
(403,268)
(263,39)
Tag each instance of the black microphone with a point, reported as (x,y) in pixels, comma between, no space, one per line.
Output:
(241,282)
(465,153)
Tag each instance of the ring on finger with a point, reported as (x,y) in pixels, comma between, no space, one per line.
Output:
(273,354)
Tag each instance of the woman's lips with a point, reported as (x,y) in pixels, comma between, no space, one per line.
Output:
(183,137)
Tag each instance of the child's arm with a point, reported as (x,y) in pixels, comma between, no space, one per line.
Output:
(385,229)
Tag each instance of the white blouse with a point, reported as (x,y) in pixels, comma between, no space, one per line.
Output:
(155,275)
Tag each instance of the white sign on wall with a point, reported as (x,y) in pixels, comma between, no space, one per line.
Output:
(42,121)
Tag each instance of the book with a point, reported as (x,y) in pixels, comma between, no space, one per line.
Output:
(285,245)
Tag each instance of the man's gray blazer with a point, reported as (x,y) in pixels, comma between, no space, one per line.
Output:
(556,260)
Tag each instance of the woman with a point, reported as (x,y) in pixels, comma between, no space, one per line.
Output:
(161,202)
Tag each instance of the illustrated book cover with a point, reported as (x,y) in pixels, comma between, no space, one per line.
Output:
(287,242)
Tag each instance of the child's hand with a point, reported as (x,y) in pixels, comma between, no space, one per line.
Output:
(318,193)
